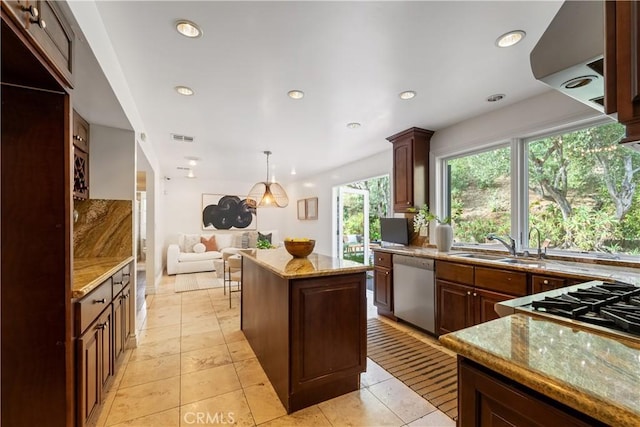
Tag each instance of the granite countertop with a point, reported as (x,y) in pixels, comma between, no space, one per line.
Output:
(593,374)
(88,273)
(280,262)
(570,269)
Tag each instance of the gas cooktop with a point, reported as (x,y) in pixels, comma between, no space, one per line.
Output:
(612,308)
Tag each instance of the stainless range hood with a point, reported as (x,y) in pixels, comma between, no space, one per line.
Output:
(569,56)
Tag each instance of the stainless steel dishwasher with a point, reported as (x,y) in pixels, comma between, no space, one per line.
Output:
(414,291)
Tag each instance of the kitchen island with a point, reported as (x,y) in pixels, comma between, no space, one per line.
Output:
(305,319)
(532,371)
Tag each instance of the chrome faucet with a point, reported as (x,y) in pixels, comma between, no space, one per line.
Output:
(540,256)
(510,247)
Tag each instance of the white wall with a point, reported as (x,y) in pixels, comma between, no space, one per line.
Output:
(181,206)
(112,163)
(321,186)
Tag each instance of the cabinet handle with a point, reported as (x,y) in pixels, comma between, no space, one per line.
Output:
(468,292)
(545,281)
(475,295)
(78,138)
(32,10)
(386,273)
(102,326)
(99,301)
(117,283)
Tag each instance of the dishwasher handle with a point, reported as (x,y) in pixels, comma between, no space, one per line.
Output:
(411,261)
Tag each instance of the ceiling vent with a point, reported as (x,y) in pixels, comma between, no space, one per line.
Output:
(182,168)
(182,138)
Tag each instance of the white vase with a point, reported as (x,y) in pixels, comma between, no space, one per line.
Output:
(444,237)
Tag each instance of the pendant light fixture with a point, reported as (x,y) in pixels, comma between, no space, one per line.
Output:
(267,194)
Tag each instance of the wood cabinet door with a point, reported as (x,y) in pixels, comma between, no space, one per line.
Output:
(402,175)
(454,309)
(484,302)
(545,283)
(128,313)
(382,290)
(106,347)
(118,328)
(88,370)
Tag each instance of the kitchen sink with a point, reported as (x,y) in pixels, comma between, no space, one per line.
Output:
(520,261)
(481,256)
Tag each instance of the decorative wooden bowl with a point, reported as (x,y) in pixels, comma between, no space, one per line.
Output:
(299,249)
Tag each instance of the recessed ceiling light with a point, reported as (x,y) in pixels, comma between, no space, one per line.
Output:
(193,161)
(295,94)
(188,28)
(293,171)
(510,38)
(495,98)
(191,174)
(183,90)
(353,125)
(407,94)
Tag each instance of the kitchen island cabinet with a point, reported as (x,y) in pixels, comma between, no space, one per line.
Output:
(549,373)
(305,319)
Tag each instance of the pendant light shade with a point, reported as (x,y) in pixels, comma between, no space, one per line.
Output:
(267,194)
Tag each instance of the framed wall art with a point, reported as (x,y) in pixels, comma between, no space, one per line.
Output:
(308,208)
(227,212)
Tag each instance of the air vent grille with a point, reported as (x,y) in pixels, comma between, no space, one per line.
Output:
(182,168)
(182,138)
(599,100)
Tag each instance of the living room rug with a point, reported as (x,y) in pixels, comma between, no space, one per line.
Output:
(428,371)
(197,281)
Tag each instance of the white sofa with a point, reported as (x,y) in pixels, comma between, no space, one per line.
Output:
(181,257)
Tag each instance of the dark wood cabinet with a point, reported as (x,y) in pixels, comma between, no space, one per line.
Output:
(122,322)
(410,168)
(80,157)
(37,349)
(466,294)
(49,33)
(486,399)
(622,65)
(95,365)
(383,283)
(546,283)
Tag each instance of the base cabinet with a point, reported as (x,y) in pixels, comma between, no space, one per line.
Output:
(383,283)
(486,399)
(95,365)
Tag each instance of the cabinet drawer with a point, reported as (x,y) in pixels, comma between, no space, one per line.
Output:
(126,275)
(510,282)
(458,273)
(90,307)
(546,283)
(382,259)
(118,283)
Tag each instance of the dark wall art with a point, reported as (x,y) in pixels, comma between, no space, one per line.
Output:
(227,212)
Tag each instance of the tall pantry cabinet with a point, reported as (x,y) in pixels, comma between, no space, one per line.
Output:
(36,229)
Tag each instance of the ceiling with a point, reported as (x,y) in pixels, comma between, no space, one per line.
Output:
(351,59)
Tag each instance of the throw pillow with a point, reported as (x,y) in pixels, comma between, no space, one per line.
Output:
(199,248)
(266,237)
(189,241)
(209,244)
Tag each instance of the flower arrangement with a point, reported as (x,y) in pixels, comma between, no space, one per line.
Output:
(424,216)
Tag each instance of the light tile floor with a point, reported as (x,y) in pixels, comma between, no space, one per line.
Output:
(193,366)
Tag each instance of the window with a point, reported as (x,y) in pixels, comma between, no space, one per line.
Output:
(580,189)
(583,191)
(480,195)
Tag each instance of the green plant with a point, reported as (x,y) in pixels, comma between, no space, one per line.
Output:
(263,244)
(424,216)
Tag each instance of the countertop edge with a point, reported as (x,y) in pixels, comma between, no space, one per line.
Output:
(602,410)
(607,273)
(342,270)
(94,283)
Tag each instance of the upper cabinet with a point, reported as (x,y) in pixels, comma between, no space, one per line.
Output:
(410,168)
(44,23)
(80,157)
(622,65)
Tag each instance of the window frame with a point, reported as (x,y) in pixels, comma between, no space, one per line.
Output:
(519,180)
